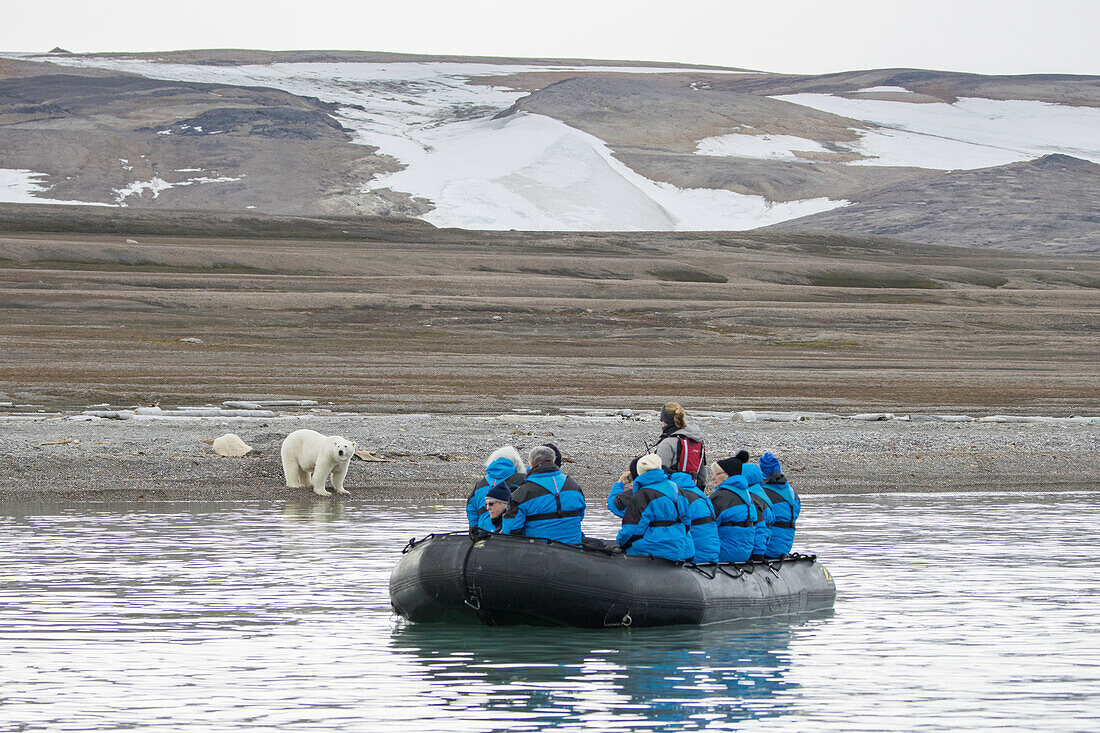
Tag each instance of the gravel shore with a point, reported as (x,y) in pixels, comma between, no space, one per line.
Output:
(438,457)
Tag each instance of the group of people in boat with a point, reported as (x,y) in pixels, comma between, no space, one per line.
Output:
(661,498)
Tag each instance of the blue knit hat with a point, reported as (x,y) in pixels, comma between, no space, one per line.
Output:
(769,464)
(499,493)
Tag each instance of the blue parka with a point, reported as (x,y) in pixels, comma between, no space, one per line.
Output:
(499,470)
(703,525)
(654,519)
(548,504)
(737,519)
(786,506)
(754,477)
(619,499)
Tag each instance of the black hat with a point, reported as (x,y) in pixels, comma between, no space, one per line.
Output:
(731,466)
(634,467)
(499,493)
(667,417)
(557,453)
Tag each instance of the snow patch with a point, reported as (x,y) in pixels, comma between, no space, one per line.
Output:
(889,147)
(156,184)
(971,133)
(775,147)
(21,186)
(882,90)
(138,188)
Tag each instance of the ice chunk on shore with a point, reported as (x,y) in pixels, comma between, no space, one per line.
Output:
(109,414)
(231,445)
(197,412)
(255,404)
(1040,419)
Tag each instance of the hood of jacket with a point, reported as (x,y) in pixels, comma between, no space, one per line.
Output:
(655,478)
(499,469)
(776,478)
(688,431)
(683,480)
(737,484)
(752,474)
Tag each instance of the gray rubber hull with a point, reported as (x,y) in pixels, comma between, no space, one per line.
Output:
(517,580)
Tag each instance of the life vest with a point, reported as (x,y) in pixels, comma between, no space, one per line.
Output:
(664,538)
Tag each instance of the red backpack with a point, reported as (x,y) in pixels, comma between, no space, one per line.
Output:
(691,456)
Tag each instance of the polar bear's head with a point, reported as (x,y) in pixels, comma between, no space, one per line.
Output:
(342,448)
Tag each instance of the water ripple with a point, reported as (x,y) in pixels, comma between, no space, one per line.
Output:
(954,613)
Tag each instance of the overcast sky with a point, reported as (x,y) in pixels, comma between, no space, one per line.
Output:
(802,36)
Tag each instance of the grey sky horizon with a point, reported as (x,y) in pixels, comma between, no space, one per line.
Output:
(791,36)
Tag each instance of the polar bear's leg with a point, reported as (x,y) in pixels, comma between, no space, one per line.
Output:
(320,475)
(291,470)
(304,479)
(338,475)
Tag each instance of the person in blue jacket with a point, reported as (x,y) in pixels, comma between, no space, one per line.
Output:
(623,490)
(754,477)
(654,513)
(496,503)
(702,521)
(786,506)
(549,504)
(503,465)
(737,517)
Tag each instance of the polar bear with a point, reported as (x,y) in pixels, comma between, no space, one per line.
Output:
(309,458)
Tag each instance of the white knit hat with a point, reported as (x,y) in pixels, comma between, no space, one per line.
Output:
(648,462)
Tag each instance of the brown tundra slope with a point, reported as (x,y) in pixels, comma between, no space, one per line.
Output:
(387,315)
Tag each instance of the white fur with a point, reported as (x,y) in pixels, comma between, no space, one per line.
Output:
(309,458)
(509,452)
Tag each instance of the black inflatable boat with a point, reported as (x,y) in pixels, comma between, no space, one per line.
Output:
(501,579)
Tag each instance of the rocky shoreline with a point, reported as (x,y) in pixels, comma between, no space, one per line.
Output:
(436,458)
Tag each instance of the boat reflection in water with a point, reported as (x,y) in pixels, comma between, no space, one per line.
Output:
(608,678)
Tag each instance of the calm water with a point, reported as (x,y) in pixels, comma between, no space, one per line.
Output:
(953,613)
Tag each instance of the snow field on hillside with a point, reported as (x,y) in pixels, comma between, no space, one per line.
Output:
(529,171)
(521,172)
(971,133)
